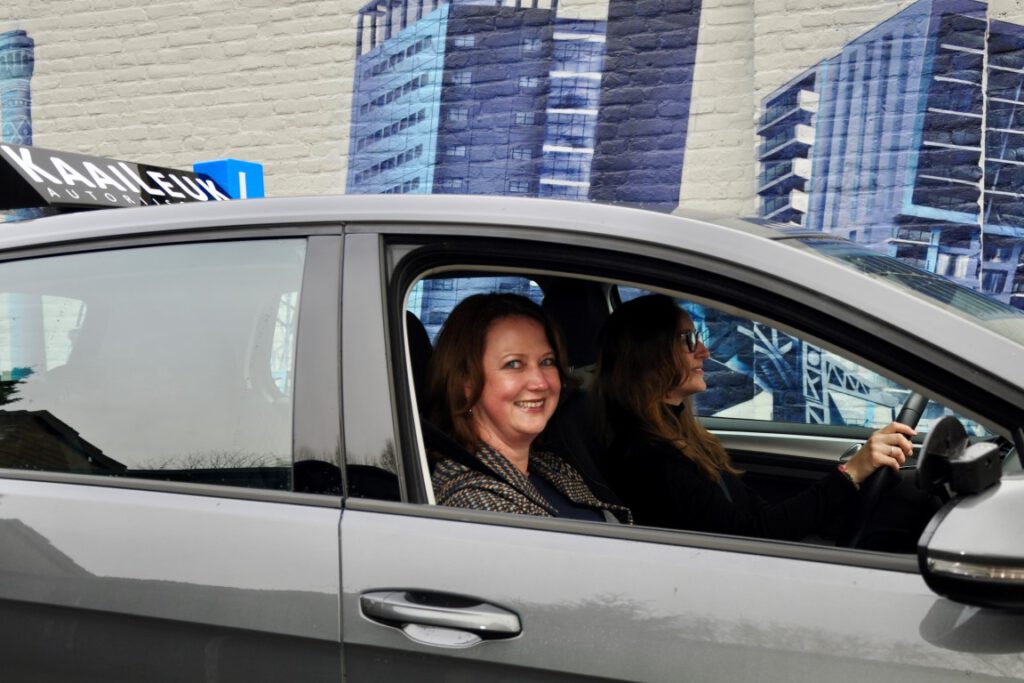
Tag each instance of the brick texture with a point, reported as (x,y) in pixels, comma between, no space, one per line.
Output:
(171,83)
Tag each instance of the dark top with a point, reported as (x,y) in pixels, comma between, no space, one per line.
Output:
(665,488)
(561,503)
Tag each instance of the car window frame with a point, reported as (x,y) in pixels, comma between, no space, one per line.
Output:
(412,251)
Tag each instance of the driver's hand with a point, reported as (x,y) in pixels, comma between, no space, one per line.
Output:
(887,447)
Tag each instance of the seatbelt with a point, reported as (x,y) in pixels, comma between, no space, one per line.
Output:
(436,440)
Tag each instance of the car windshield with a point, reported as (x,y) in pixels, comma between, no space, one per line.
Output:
(978,308)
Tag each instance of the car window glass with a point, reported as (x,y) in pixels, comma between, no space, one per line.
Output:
(170,362)
(757,372)
(431,300)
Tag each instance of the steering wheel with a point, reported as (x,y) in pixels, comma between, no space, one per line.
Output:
(880,480)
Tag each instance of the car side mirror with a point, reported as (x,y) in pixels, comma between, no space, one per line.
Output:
(971,550)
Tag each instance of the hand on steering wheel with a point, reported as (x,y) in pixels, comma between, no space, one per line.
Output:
(886,447)
(872,458)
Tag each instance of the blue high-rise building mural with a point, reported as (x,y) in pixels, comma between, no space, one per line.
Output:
(574,81)
(17,63)
(450,97)
(910,140)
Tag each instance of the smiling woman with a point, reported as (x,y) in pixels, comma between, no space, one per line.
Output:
(495,380)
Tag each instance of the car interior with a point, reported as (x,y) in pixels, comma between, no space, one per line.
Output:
(779,457)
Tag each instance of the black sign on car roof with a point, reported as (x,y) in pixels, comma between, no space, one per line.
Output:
(31,177)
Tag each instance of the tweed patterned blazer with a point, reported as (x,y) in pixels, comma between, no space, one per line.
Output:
(456,485)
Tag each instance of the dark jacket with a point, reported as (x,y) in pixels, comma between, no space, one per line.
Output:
(665,488)
(509,490)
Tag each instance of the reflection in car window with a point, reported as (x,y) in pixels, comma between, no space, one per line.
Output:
(170,362)
(282,353)
(431,300)
(759,373)
(978,308)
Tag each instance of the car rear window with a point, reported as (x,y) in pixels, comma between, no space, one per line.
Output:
(170,362)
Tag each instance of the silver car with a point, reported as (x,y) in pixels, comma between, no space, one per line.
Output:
(214,461)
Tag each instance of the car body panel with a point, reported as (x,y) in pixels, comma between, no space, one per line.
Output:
(612,608)
(215,572)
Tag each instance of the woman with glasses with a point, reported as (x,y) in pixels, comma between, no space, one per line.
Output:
(674,473)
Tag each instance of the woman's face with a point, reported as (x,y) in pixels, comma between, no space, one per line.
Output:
(692,370)
(521,384)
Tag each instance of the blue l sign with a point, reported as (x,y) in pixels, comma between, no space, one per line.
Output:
(240,179)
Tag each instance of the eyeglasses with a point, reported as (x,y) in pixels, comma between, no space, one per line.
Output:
(690,338)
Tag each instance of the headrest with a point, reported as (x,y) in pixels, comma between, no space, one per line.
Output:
(580,309)
(420,351)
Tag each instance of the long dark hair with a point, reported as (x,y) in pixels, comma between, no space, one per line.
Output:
(642,360)
(457,361)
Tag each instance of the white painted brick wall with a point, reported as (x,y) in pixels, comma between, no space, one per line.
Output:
(176,82)
(718,166)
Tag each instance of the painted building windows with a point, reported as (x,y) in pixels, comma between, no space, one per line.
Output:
(457,114)
(522,153)
(529,82)
(531,46)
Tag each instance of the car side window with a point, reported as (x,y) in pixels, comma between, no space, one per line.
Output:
(166,362)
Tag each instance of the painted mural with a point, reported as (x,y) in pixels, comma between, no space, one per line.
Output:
(892,142)
(503,98)
(17,63)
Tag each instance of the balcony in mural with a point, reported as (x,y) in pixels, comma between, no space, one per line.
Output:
(786,208)
(784,174)
(790,141)
(797,106)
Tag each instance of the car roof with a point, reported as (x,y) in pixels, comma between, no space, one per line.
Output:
(448,209)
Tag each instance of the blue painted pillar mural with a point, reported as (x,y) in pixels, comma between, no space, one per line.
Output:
(17,62)
(645,102)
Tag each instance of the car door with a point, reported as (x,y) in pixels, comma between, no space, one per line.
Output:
(431,593)
(154,524)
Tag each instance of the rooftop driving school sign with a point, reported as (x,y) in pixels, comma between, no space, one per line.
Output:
(31,177)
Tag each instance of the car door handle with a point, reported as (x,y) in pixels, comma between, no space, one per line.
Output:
(442,610)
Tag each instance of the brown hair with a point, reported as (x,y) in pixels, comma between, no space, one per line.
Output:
(457,361)
(642,360)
